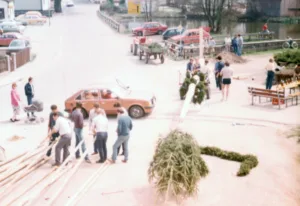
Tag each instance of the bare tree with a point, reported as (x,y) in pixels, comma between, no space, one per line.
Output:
(213,10)
(148,9)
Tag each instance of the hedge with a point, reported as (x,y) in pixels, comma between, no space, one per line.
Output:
(248,161)
(290,58)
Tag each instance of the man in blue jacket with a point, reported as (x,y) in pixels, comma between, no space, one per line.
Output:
(29,92)
(123,131)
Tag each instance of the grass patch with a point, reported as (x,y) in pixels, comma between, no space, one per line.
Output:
(248,161)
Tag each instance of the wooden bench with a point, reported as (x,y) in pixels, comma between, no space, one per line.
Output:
(277,97)
(294,96)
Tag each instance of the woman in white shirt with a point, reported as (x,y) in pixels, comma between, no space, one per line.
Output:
(226,74)
(270,68)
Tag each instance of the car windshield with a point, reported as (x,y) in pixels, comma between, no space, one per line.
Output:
(17,44)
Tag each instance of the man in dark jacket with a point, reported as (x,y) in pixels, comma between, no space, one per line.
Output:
(77,118)
(51,125)
(218,68)
(29,92)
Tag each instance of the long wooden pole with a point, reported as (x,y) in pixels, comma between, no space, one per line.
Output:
(74,199)
(43,178)
(31,200)
(66,180)
(31,186)
(19,166)
(12,159)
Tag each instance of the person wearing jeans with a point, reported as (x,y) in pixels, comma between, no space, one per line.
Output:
(51,126)
(29,92)
(270,68)
(77,118)
(123,131)
(100,127)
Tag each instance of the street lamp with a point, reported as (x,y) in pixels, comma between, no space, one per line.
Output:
(49,11)
(201,46)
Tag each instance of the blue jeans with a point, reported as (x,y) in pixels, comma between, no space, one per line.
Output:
(78,134)
(270,78)
(29,102)
(118,143)
(101,139)
(240,50)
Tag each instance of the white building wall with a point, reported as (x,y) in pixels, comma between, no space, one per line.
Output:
(3,4)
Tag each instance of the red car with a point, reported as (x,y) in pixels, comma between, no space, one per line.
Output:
(150,28)
(6,38)
(190,36)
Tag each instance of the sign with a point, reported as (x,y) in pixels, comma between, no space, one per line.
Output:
(134,6)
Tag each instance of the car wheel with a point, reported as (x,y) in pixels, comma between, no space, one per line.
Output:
(136,112)
(159,32)
(140,33)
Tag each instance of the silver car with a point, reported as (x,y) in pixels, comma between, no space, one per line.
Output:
(12,27)
(20,23)
(18,44)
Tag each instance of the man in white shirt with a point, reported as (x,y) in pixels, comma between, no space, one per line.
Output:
(227,42)
(63,127)
(206,72)
(100,127)
(92,115)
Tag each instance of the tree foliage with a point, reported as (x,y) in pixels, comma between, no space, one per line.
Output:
(199,91)
(177,165)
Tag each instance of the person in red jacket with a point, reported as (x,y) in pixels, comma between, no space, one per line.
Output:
(265,28)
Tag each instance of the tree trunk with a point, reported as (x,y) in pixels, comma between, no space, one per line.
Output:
(150,10)
(57,6)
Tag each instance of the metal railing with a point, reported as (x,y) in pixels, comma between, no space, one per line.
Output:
(111,22)
(178,52)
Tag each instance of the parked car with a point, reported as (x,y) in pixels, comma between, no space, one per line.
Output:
(20,23)
(12,27)
(7,38)
(137,103)
(190,36)
(33,13)
(172,32)
(19,44)
(70,3)
(150,28)
(32,19)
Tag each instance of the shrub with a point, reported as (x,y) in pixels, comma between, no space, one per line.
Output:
(289,58)
(199,91)
(247,161)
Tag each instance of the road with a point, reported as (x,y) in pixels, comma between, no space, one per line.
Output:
(78,50)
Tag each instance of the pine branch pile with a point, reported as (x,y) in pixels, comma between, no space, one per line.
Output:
(248,162)
(199,91)
(177,165)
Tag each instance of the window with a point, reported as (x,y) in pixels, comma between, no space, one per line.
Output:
(91,94)
(155,25)
(108,94)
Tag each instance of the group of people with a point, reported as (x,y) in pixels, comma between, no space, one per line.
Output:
(194,67)
(223,75)
(60,126)
(236,43)
(16,99)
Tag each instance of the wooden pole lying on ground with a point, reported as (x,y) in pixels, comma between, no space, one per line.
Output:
(74,199)
(30,200)
(19,166)
(67,179)
(12,159)
(47,175)
(32,186)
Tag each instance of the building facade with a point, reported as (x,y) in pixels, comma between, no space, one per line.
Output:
(3,9)
(22,6)
(274,8)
